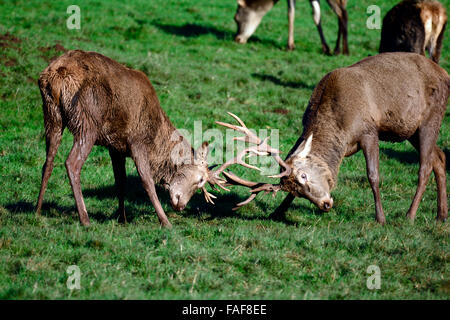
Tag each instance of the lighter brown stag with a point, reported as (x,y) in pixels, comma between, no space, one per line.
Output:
(390,97)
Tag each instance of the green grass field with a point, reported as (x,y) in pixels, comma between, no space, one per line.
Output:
(186,49)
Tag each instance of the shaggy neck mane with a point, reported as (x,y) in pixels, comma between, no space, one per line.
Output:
(329,143)
(162,151)
(328,152)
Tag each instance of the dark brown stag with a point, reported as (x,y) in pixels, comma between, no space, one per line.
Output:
(104,103)
(250,13)
(389,97)
(414,26)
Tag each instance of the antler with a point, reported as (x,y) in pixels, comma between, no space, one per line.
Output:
(255,186)
(260,147)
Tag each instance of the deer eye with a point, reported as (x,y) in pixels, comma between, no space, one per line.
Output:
(304,177)
(201,182)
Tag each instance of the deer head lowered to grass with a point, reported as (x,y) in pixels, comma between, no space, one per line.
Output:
(102,102)
(389,97)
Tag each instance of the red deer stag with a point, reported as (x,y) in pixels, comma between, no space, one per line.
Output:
(102,102)
(388,97)
(414,26)
(250,13)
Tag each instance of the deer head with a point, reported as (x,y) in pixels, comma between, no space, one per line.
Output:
(310,177)
(189,177)
(248,19)
(303,175)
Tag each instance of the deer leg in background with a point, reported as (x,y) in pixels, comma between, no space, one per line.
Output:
(436,51)
(53,140)
(440,174)
(337,48)
(369,145)
(340,11)
(81,148)
(143,168)
(291,17)
(316,15)
(424,140)
(279,213)
(344,29)
(120,178)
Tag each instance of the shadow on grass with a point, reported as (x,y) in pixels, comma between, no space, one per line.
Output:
(136,197)
(23,207)
(194,30)
(412,157)
(278,81)
(196,208)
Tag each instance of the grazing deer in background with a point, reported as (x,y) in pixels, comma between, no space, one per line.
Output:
(250,13)
(388,97)
(414,26)
(102,102)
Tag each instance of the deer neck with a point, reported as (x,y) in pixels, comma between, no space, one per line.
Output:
(170,152)
(329,148)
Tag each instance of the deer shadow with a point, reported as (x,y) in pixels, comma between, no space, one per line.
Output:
(49,208)
(136,196)
(412,157)
(194,30)
(279,82)
(197,207)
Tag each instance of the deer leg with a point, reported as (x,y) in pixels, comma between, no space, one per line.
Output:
(369,145)
(279,213)
(52,141)
(436,52)
(345,31)
(120,177)
(316,14)
(291,17)
(81,148)
(337,48)
(143,168)
(439,173)
(424,141)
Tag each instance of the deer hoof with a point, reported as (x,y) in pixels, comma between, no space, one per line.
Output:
(381,220)
(410,216)
(86,223)
(166,225)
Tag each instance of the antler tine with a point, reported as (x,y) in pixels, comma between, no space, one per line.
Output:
(266,188)
(208,196)
(235,180)
(262,148)
(249,136)
(237,119)
(255,186)
(287,169)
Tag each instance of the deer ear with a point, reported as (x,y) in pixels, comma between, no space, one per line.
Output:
(201,154)
(242,3)
(304,148)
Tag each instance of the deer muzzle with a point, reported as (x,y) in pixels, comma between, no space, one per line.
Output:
(177,202)
(326,204)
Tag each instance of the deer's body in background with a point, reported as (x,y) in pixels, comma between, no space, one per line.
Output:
(389,97)
(414,26)
(104,103)
(250,13)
